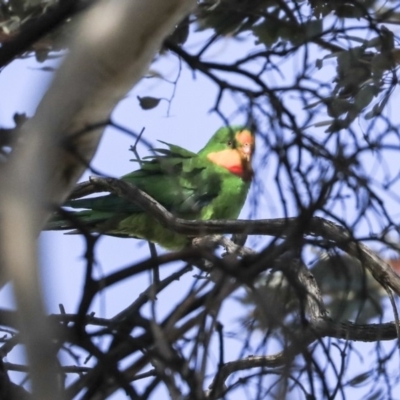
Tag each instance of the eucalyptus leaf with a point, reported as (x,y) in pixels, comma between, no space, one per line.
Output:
(147,102)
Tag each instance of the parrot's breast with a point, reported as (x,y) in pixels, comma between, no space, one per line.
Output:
(229,203)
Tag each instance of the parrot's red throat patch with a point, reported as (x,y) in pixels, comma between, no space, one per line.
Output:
(236,169)
(245,173)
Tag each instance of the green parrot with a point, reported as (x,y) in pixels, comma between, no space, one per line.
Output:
(212,184)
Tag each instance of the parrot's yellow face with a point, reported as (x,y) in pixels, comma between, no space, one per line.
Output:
(237,156)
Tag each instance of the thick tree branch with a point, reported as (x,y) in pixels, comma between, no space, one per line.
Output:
(103,64)
(322,328)
(318,227)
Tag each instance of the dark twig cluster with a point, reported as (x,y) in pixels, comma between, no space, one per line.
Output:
(159,345)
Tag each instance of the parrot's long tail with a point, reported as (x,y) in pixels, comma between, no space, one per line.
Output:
(87,217)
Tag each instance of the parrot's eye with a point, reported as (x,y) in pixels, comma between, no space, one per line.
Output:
(230,143)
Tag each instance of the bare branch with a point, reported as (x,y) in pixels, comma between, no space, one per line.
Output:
(317,227)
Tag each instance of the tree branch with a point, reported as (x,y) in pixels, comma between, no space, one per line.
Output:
(102,66)
(41,26)
(318,227)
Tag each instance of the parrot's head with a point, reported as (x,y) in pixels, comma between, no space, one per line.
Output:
(232,148)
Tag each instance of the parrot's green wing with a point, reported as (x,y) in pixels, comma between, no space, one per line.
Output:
(177,179)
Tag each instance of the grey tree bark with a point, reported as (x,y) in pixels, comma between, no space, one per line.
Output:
(113,45)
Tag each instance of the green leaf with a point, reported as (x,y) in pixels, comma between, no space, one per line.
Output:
(152,73)
(267,32)
(375,395)
(181,32)
(271,29)
(337,107)
(313,28)
(350,11)
(358,379)
(147,103)
(364,97)
(377,109)
(41,55)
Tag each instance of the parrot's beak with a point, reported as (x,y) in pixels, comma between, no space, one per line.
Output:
(246,144)
(246,151)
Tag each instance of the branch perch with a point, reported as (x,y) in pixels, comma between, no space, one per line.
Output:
(318,227)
